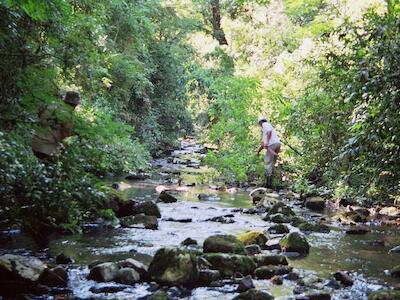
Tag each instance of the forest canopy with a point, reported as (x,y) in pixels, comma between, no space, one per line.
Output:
(325,74)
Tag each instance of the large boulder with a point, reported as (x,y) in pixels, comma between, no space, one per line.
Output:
(351,217)
(277,218)
(253,237)
(206,276)
(19,273)
(134,264)
(228,264)
(104,272)
(278,229)
(224,244)
(127,276)
(254,294)
(315,203)
(295,242)
(57,276)
(173,266)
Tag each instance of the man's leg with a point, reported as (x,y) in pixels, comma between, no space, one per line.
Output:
(269,165)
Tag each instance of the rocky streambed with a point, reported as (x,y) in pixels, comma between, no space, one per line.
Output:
(180,239)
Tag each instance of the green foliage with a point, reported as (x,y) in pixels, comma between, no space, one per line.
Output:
(304,11)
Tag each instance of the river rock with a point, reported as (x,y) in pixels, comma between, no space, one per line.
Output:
(206,276)
(257,194)
(127,276)
(343,278)
(277,218)
(350,217)
(395,249)
(107,289)
(104,272)
(278,229)
(132,207)
(357,230)
(265,260)
(166,197)
(20,274)
(390,211)
(254,294)
(281,209)
(224,244)
(158,295)
(188,241)
(309,227)
(173,266)
(245,284)
(395,272)
(253,237)
(295,242)
(228,264)
(140,221)
(253,249)
(267,272)
(385,294)
(317,295)
(57,276)
(137,176)
(64,259)
(273,244)
(315,203)
(205,197)
(277,280)
(134,264)
(222,219)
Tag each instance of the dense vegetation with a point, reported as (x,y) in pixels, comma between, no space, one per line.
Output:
(326,73)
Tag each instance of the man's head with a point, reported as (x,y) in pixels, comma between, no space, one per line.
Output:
(261,120)
(72,98)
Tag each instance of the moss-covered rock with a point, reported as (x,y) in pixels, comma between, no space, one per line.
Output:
(385,295)
(224,244)
(173,266)
(395,272)
(228,264)
(309,227)
(315,203)
(277,218)
(278,229)
(295,242)
(253,237)
(351,217)
(281,209)
(265,260)
(267,272)
(140,221)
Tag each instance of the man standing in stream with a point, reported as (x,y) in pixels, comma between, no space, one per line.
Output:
(271,143)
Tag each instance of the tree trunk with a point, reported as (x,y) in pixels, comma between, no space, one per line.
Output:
(218,33)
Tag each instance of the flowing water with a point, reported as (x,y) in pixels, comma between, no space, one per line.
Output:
(330,252)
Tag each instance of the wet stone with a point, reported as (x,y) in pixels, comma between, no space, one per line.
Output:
(278,229)
(395,250)
(223,244)
(309,227)
(277,218)
(222,219)
(245,284)
(295,242)
(254,294)
(64,259)
(140,221)
(343,278)
(357,230)
(107,289)
(104,272)
(395,272)
(267,272)
(133,264)
(277,280)
(166,197)
(127,276)
(253,237)
(265,260)
(57,276)
(315,203)
(253,249)
(206,276)
(188,241)
(228,264)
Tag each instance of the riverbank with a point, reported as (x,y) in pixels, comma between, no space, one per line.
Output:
(200,212)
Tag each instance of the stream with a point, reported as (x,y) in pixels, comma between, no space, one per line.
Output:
(362,255)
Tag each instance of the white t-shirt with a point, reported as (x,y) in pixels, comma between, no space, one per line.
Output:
(267,127)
